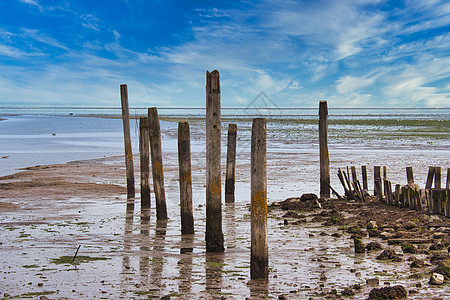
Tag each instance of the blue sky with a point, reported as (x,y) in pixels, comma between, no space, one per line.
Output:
(362,53)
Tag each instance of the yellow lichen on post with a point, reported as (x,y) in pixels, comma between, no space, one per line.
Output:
(259,258)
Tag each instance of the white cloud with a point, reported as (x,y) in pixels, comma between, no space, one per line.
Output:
(43,38)
(32,3)
(349,84)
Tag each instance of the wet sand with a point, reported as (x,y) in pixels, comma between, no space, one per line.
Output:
(47,212)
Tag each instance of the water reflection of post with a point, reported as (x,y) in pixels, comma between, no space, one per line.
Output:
(214,269)
(185,264)
(230,224)
(158,249)
(145,241)
(129,217)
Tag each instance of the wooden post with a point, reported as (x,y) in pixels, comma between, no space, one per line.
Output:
(430,176)
(376,177)
(323,148)
(157,163)
(364,177)
(259,264)
(184,162)
(145,162)
(447,186)
(127,140)
(437,177)
(231,164)
(354,176)
(397,195)
(384,173)
(409,175)
(214,235)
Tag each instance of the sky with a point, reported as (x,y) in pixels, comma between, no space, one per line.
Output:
(361,53)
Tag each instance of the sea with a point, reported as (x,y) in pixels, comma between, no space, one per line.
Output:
(31,136)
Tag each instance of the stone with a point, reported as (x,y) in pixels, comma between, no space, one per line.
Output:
(417,263)
(373,233)
(439,235)
(359,246)
(372,225)
(436,279)
(408,248)
(373,246)
(373,282)
(389,292)
(389,254)
(348,292)
(410,225)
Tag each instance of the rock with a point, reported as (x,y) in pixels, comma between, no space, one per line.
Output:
(336,234)
(444,268)
(372,225)
(439,235)
(436,279)
(387,235)
(282,297)
(359,246)
(416,263)
(308,196)
(373,246)
(408,248)
(306,202)
(373,282)
(373,233)
(348,292)
(389,292)
(439,257)
(389,254)
(410,225)
(43,297)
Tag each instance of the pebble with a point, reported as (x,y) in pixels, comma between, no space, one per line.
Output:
(373,282)
(436,279)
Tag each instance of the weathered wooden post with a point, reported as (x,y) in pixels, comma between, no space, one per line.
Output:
(354,175)
(397,195)
(231,164)
(364,177)
(323,148)
(214,234)
(448,179)
(377,177)
(184,162)
(157,163)
(430,176)
(145,162)
(259,264)
(127,139)
(437,177)
(409,175)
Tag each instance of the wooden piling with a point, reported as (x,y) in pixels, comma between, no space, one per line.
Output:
(323,148)
(184,163)
(364,177)
(144,162)
(447,186)
(259,264)
(354,175)
(376,177)
(437,177)
(231,164)
(127,140)
(409,175)
(157,163)
(397,195)
(430,176)
(214,235)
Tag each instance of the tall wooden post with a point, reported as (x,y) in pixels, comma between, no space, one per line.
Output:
(364,177)
(184,162)
(157,163)
(231,164)
(354,175)
(447,186)
(376,177)
(430,176)
(127,140)
(437,177)
(145,162)
(259,264)
(214,235)
(323,148)
(409,175)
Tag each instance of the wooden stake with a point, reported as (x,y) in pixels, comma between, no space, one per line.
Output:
(364,177)
(231,164)
(323,148)
(157,163)
(448,179)
(184,162)
(437,178)
(397,195)
(409,175)
(127,141)
(259,265)
(145,162)
(354,176)
(376,176)
(384,173)
(430,176)
(214,235)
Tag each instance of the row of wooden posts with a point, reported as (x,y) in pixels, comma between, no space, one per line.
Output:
(150,137)
(434,200)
